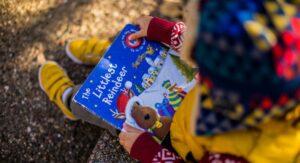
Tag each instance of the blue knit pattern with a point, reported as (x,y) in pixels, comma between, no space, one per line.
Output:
(227,55)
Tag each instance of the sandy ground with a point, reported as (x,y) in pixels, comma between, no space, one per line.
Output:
(33,31)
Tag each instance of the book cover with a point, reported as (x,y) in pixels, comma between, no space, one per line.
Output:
(140,71)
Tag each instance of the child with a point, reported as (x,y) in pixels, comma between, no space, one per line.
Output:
(246,107)
(239,120)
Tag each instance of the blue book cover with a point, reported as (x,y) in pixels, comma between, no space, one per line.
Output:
(141,69)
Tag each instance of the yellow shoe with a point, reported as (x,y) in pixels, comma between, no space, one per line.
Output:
(87,51)
(54,81)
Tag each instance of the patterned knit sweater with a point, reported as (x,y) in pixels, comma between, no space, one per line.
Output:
(145,148)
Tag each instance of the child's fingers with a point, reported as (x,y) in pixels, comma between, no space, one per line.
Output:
(129,128)
(121,136)
(136,35)
(122,142)
(124,128)
(136,21)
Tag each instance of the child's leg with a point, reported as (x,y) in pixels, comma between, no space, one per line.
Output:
(87,51)
(60,89)
(81,113)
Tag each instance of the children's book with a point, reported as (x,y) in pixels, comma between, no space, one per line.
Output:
(139,72)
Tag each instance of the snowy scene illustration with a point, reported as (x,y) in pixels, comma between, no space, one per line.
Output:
(163,86)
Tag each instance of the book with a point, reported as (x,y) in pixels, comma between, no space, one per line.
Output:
(140,71)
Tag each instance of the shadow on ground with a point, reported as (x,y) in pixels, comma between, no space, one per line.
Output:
(31,32)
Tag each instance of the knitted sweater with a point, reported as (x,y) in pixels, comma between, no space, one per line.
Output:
(274,141)
(248,57)
(145,148)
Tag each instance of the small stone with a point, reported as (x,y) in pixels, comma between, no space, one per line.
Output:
(28,129)
(6,88)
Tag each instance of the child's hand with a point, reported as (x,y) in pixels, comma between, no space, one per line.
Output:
(128,136)
(143,23)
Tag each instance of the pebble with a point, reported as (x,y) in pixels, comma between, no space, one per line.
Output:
(28,130)
(6,88)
